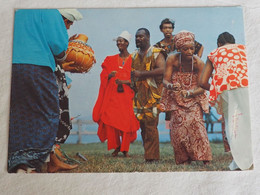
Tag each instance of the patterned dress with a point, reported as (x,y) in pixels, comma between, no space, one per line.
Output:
(188,133)
(171,49)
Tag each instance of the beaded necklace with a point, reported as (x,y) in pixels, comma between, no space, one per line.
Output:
(121,64)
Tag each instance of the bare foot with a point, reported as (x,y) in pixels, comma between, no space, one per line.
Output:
(115,153)
(126,154)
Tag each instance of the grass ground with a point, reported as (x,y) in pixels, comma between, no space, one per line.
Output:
(99,160)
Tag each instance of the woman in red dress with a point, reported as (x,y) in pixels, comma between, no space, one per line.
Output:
(113,110)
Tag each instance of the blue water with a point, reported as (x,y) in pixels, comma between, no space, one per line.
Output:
(163,137)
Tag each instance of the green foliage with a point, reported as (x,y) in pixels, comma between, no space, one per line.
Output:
(99,160)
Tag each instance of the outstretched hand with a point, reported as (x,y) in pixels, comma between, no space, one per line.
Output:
(73,37)
(176,86)
(187,93)
(69,66)
(184,93)
(136,73)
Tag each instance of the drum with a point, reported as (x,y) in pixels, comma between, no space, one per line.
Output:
(81,53)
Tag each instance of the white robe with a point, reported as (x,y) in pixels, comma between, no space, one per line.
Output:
(235,106)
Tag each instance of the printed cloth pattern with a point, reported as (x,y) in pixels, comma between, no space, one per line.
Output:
(147,91)
(231,71)
(188,133)
(65,123)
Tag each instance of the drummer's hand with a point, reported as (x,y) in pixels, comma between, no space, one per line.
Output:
(73,37)
(112,74)
(68,66)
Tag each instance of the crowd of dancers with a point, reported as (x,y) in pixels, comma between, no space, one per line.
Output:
(170,77)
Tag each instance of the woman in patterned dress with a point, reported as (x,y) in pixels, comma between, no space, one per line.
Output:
(187,101)
(229,94)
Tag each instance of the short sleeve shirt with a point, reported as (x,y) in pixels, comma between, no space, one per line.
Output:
(231,71)
(39,35)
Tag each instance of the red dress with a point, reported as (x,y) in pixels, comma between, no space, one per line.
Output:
(113,111)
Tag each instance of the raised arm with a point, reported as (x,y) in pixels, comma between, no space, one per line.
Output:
(168,70)
(206,74)
(200,52)
(198,49)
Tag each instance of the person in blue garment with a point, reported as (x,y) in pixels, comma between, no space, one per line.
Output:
(40,40)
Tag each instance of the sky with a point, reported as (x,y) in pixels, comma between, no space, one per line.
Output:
(103,25)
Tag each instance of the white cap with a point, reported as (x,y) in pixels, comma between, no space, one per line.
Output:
(125,35)
(71,14)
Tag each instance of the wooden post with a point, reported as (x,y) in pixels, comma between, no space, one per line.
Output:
(79,130)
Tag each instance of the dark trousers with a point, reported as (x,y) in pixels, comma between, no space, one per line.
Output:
(150,137)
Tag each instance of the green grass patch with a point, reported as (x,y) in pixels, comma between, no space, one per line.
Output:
(99,160)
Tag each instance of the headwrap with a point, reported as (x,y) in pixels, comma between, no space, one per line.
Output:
(182,38)
(71,14)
